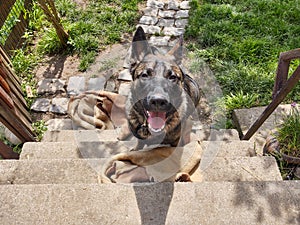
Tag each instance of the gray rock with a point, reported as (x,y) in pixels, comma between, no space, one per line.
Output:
(151,29)
(155,4)
(59,124)
(96,84)
(166,13)
(76,85)
(181,23)
(173,5)
(41,105)
(173,31)
(151,11)
(110,86)
(59,105)
(185,5)
(166,22)
(124,88)
(125,75)
(159,41)
(51,86)
(148,20)
(182,14)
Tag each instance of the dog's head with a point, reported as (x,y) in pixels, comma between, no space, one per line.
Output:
(160,90)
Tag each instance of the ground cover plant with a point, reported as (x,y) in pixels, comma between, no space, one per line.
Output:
(288,136)
(241,42)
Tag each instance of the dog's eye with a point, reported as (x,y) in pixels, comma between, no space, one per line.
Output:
(173,77)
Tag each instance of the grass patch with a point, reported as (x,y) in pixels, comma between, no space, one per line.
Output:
(102,23)
(241,42)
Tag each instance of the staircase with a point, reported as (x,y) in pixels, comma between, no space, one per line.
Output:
(56,182)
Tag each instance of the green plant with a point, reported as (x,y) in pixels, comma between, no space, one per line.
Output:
(289,133)
(39,128)
(241,41)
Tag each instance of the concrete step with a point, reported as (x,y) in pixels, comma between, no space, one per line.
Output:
(102,149)
(112,135)
(67,171)
(203,203)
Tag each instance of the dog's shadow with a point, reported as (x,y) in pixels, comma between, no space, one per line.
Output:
(153,200)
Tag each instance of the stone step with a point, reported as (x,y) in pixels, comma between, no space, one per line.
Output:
(101,149)
(67,171)
(112,135)
(204,203)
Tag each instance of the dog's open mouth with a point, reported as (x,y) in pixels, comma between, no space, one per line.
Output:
(156,121)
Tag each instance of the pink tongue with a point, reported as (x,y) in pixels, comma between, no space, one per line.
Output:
(156,119)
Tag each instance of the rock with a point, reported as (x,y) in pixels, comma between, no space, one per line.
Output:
(185,5)
(182,14)
(59,124)
(110,86)
(159,41)
(59,105)
(51,86)
(125,75)
(76,85)
(150,11)
(166,22)
(181,23)
(173,31)
(155,4)
(148,20)
(151,29)
(96,84)
(173,5)
(166,13)
(41,105)
(124,88)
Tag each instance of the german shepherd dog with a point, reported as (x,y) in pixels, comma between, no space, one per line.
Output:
(162,96)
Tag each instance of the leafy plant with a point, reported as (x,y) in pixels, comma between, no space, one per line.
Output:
(39,128)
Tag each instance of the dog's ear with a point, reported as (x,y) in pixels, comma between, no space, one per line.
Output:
(177,51)
(140,46)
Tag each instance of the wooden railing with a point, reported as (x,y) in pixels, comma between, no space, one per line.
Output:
(13,23)
(13,108)
(282,88)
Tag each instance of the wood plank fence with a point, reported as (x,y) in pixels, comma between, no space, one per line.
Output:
(13,108)
(13,23)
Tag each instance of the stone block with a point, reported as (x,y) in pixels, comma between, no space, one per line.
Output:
(41,105)
(182,14)
(173,5)
(150,11)
(59,124)
(96,84)
(151,29)
(148,20)
(155,4)
(166,13)
(125,75)
(166,22)
(159,41)
(173,31)
(181,23)
(59,105)
(124,88)
(185,5)
(76,85)
(51,86)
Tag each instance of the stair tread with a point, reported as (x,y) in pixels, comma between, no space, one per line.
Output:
(159,203)
(87,170)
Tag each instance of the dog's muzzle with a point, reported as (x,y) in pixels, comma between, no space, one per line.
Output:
(157,105)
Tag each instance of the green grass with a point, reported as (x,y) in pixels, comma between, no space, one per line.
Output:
(101,24)
(241,42)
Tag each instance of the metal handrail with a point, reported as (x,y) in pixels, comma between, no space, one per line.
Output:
(282,88)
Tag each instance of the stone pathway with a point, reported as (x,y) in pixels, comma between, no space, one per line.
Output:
(163,22)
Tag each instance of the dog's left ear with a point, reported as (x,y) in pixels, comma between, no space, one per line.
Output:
(177,51)
(140,46)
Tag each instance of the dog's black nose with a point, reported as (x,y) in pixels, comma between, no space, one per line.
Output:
(158,102)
